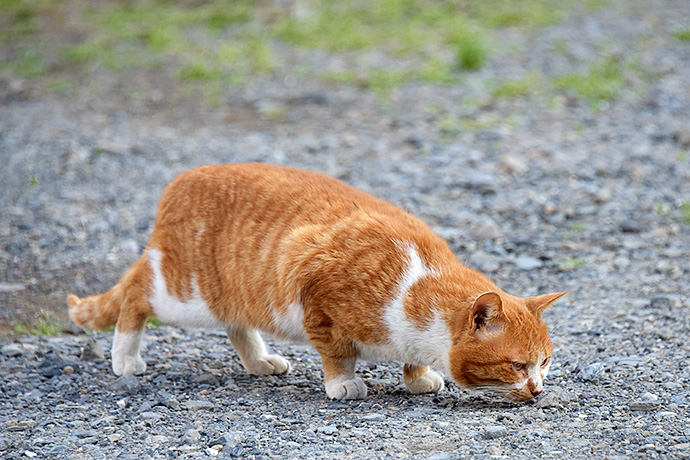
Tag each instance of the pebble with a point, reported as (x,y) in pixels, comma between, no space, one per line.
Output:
(484,262)
(157,440)
(206,379)
(527,263)
(497,431)
(328,429)
(11,351)
(621,263)
(128,384)
(644,405)
(439,456)
(191,436)
(198,405)
(374,417)
(591,372)
(514,165)
(92,350)
(486,229)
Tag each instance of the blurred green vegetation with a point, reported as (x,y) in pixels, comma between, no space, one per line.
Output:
(46,325)
(602,82)
(216,43)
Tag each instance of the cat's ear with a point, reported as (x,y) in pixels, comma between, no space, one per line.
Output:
(486,311)
(538,304)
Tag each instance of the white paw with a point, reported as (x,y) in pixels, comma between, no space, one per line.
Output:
(340,388)
(269,364)
(128,365)
(430,382)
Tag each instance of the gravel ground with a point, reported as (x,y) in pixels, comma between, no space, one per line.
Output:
(540,192)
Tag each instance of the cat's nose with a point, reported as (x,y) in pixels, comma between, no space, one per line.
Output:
(535,391)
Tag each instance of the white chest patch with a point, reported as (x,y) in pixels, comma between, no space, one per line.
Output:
(192,312)
(290,323)
(406,341)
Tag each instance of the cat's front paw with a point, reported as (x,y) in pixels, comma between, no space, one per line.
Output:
(127,365)
(340,388)
(429,382)
(269,364)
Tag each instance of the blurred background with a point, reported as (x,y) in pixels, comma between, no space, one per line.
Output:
(546,140)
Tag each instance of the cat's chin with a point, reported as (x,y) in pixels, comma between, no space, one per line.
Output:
(505,391)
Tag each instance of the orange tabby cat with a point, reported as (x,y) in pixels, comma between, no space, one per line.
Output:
(304,257)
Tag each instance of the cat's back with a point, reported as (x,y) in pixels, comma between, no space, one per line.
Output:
(256,191)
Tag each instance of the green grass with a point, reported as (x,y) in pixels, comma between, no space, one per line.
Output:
(578,226)
(46,325)
(685,211)
(602,82)
(682,35)
(153,323)
(217,43)
(518,88)
(570,263)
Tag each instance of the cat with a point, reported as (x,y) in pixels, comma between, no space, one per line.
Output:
(305,257)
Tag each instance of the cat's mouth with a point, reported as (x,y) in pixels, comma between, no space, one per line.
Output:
(507,391)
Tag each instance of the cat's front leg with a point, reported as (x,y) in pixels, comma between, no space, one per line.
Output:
(421,379)
(252,352)
(341,382)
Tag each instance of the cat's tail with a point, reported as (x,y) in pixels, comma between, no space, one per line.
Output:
(96,312)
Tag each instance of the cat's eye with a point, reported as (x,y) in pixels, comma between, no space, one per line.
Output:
(546,361)
(518,366)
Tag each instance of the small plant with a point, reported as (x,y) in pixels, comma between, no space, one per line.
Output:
(685,211)
(153,323)
(517,88)
(46,325)
(450,126)
(578,226)
(570,263)
(471,54)
(682,35)
(603,82)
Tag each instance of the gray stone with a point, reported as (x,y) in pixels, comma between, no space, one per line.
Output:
(191,436)
(484,262)
(644,405)
(514,165)
(172,404)
(527,263)
(128,384)
(439,456)
(591,372)
(621,263)
(328,429)
(496,431)
(157,440)
(206,379)
(485,229)
(198,405)
(11,351)
(603,195)
(555,397)
(374,418)
(92,350)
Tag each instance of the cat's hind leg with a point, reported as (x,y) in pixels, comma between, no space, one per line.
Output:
(421,379)
(129,331)
(252,352)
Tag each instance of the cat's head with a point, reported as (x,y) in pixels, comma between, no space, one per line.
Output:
(503,346)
